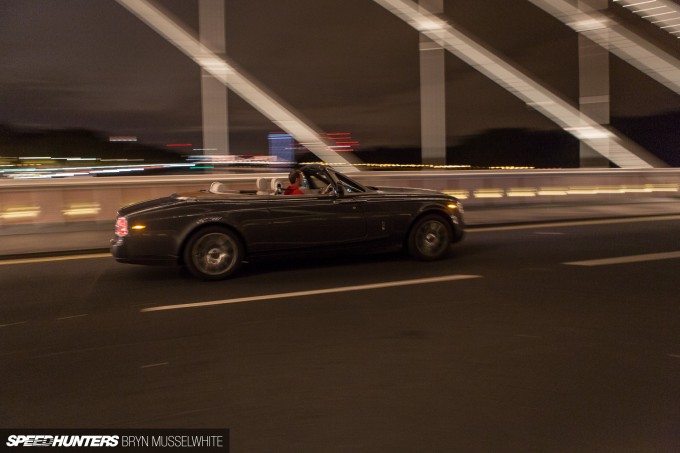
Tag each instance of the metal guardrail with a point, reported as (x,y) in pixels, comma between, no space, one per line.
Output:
(94,199)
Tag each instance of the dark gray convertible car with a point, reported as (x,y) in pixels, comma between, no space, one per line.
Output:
(212,232)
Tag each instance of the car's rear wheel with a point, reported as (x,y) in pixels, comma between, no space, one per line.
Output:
(213,253)
(429,239)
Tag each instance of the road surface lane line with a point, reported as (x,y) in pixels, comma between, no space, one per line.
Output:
(627,259)
(342,289)
(72,316)
(53,258)
(153,365)
(13,324)
(568,223)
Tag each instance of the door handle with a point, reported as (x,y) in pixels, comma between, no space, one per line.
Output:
(345,201)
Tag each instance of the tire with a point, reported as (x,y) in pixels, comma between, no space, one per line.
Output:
(429,238)
(213,253)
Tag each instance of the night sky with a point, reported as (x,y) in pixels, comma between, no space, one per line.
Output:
(348,65)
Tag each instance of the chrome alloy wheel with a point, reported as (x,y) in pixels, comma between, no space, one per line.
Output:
(213,254)
(430,238)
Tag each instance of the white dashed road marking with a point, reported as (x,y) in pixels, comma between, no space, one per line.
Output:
(13,324)
(420,281)
(72,316)
(627,259)
(54,258)
(153,365)
(569,223)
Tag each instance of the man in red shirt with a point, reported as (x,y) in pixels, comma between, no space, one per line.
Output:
(296,178)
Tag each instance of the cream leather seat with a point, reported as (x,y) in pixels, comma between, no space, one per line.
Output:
(218,187)
(263,186)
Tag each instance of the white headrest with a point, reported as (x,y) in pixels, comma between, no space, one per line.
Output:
(218,187)
(262,184)
(277,182)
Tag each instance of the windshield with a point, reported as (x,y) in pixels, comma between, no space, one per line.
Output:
(349,184)
(319,178)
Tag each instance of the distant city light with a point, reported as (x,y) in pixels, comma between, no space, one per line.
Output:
(341,141)
(282,146)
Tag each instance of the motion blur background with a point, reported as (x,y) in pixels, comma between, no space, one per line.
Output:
(76,76)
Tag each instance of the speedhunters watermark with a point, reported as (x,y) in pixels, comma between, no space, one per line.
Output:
(46,440)
(216,440)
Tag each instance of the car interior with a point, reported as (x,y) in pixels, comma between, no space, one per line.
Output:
(315,183)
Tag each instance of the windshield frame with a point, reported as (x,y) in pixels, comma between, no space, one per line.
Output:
(339,178)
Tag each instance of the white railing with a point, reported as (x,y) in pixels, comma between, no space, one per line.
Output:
(96,199)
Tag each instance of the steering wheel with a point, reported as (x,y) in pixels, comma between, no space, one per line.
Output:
(328,189)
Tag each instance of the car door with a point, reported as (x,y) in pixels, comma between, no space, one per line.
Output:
(306,221)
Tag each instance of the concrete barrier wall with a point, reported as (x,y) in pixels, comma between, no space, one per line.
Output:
(96,199)
(538,186)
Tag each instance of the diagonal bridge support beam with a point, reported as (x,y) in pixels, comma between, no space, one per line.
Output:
(569,118)
(224,71)
(617,39)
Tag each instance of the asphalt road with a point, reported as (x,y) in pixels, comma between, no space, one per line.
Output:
(506,346)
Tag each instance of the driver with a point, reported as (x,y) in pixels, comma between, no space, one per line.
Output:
(296,179)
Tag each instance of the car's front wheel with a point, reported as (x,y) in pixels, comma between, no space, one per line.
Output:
(213,253)
(429,239)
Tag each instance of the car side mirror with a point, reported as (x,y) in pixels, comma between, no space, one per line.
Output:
(340,190)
